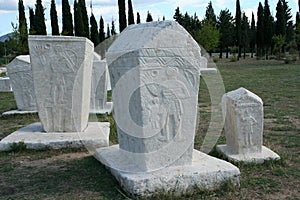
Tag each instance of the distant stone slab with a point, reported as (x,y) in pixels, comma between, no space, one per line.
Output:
(208,71)
(205,172)
(258,157)
(5,84)
(108,108)
(18,112)
(96,135)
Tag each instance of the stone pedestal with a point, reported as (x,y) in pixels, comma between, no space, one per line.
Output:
(20,74)
(243,115)
(155,71)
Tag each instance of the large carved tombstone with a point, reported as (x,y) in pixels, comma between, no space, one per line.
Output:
(243,121)
(155,83)
(20,74)
(99,84)
(62,80)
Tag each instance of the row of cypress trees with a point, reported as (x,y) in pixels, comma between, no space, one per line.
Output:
(266,36)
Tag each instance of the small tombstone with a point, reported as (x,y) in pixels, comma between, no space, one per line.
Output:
(155,73)
(243,115)
(20,74)
(99,86)
(62,69)
(5,85)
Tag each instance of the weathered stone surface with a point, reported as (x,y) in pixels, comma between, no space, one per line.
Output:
(5,84)
(62,69)
(34,137)
(20,74)
(243,115)
(155,71)
(99,102)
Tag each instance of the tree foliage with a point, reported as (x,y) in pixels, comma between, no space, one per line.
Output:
(149,17)
(260,30)
(78,21)
(101,30)
(238,29)
(268,27)
(31,20)
(39,19)
(94,30)
(225,25)
(53,17)
(252,35)
(113,29)
(22,29)
(208,36)
(130,13)
(245,33)
(84,17)
(210,14)
(122,15)
(67,22)
(138,18)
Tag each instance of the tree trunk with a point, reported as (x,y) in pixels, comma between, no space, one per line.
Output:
(210,54)
(244,52)
(267,53)
(227,51)
(240,51)
(251,51)
(221,53)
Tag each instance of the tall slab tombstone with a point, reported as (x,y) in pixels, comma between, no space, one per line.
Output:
(20,74)
(62,69)
(155,73)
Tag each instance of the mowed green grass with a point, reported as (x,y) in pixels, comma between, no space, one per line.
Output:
(75,174)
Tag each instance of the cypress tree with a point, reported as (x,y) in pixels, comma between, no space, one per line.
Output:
(101,30)
(289,28)
(23,33)
(268,28)
(122,15)
(130,13)
(108,31)
(260,30)
(245,33)
(164,18)
(39,18)
(238,30)
(149,17)
(94,30)
(53,16)
(280,20)
(31,19)
(113,29)
(85,19)
(78,21)
(225,26)
(138,18)
(252,35)
(67,22)
(178,16)
(298,30)
(210,14)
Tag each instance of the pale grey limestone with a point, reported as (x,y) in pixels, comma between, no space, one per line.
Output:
(5,85)
(20,74)
(100,80)
(155,71)
(34,137)
(243,115)
(62,69)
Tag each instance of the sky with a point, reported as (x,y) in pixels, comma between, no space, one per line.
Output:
(108,9)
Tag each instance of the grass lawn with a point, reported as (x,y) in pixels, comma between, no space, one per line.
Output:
(75,174)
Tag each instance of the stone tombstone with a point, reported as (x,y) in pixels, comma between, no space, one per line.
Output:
(62,69)
(5,85)
(20,74)
(243,111)
(155,85)
(99,84)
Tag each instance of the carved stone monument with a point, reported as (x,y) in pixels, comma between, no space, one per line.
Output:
(5,85)
(155,72)
(20,74)
(244,118)
(99,102)
(62,68)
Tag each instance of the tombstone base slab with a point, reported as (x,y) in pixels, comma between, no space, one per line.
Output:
(107,109)
(19,112)
(206,172)
(266,154)
(96,135)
